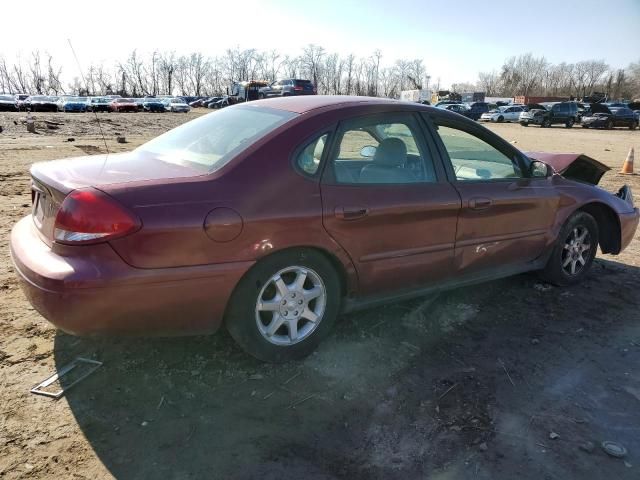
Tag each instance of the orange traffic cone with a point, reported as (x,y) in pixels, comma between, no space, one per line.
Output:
(627,166)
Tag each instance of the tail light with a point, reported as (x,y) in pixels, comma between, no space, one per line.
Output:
(91,216)
(298,89)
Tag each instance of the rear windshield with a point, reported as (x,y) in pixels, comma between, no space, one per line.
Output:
(209,142)
(302,82)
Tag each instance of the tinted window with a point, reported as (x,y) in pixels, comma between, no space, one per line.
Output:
(309,158)
(474,159)
(376,150)
(209,142)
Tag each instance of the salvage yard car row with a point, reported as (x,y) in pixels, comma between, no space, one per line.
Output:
(546,114)
(112,103)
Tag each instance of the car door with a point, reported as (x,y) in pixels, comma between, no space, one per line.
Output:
(387,203)
(506,216)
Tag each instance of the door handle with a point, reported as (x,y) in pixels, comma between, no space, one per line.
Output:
(351,213)
(480,203)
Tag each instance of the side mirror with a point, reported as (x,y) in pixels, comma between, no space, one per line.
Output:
(368,151)
(540,169)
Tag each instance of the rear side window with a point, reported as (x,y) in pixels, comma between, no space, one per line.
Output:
(302,83)
(382,150)
(308,160)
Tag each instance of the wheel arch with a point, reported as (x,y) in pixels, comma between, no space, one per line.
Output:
(609,229)
(336,263)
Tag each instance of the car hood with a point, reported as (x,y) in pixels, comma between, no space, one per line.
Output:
(575,166)
(101,170)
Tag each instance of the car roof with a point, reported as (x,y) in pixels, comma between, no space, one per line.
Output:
(307,103)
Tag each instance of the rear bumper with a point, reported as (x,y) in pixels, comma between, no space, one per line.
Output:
(90,290)
(628,226)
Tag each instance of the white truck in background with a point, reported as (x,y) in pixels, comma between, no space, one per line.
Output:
(418,96)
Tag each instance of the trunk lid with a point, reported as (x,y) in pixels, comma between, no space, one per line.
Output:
(52,181)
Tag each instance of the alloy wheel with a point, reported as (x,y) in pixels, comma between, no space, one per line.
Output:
(290,305)
(576,251)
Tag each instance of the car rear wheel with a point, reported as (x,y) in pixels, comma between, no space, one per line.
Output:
(261,96)
(632,126)
(570,123)
(585,126)
(609,125)
(574,251)
(524,124)
(284,306)
(546,123)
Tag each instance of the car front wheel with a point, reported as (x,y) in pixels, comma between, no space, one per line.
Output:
(570,123)
(285,305)
(574,251)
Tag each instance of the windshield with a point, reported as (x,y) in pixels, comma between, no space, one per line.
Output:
(76,99)
(40,98)
(210,141)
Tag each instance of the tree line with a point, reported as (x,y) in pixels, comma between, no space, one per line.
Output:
(166,73)
(534,76)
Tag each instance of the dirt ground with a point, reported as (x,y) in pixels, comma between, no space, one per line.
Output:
(511,379)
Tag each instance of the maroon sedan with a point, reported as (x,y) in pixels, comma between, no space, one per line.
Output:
(274,217)
(123,105)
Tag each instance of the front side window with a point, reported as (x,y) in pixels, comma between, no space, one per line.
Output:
(473,159)
(374,150)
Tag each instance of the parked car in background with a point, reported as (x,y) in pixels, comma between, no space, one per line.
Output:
(98,104)
(565,113)
(20,98)
(8,103)
(152,104)
(477,109)
(288,87)
(123,105)
(176,105)
(41,103)
(72,104)
(442,103)
(162,240)
(616,104)
(208,103)
(615,117)
(461,108)
(503,114)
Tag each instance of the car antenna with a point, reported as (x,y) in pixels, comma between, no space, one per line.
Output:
(86,86)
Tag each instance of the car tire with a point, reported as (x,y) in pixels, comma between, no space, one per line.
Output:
(609,125)
(546,123)
(585,126)
(524,124)
(265,333)
(500,119)
(261,96)
(632,126)
(569,262)
(570,123)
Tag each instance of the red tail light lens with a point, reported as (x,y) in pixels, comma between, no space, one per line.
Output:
(298,89)
(90,216)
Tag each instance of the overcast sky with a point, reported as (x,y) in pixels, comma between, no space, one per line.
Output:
(456,39)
